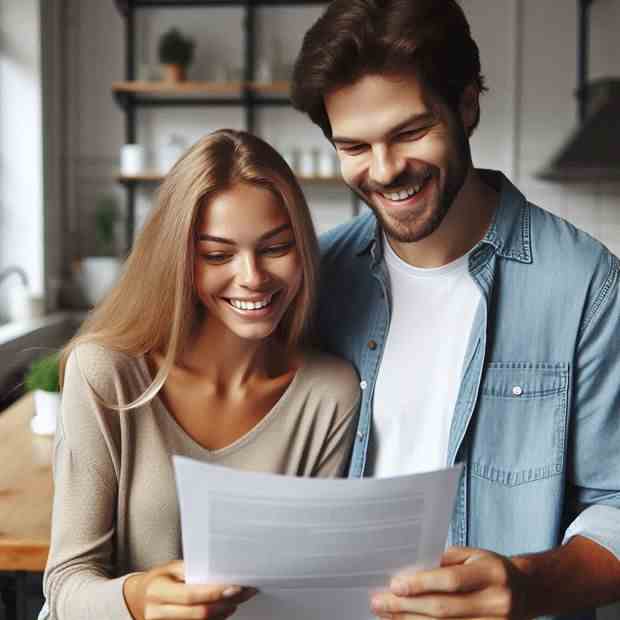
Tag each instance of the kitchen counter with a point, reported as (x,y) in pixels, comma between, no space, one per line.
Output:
(25,509)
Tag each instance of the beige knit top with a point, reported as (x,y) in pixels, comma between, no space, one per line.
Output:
(115,506)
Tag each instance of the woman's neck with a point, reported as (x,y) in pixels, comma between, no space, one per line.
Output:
(230,362)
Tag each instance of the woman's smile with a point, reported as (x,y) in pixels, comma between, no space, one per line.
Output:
(254,308)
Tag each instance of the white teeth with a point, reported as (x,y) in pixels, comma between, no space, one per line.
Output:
(250,305)
(407,192)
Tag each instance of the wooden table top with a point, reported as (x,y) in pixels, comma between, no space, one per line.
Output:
(25,490)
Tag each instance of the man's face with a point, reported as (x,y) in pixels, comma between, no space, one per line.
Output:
(405,155)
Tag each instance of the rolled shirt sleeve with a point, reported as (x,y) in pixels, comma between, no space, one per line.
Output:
(594,466)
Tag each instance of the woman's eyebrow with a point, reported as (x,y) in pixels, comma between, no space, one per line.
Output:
(267,235)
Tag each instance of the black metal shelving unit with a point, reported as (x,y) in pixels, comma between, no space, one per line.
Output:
(245,94)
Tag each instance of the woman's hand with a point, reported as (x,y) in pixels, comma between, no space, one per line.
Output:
(162,594)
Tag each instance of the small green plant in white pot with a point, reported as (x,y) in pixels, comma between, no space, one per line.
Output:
(98,273)
(42,379)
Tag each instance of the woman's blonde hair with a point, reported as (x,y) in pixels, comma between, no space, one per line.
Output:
(154,307)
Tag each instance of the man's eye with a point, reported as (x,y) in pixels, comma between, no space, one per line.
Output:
(280,249)
(413,134)
(353,149)
(216,257)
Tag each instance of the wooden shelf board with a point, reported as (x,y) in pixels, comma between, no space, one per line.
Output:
(275,88)
(178,88)
(200,88)
(146,177)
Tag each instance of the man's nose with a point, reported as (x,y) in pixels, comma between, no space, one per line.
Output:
(252,272)
(386,165)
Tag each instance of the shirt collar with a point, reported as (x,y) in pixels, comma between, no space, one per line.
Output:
(509,232)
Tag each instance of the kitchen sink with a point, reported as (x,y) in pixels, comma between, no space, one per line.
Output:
(21,342)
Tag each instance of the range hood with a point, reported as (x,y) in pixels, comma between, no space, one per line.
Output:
(592,152)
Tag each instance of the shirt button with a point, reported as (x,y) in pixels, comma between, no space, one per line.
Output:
(372,345)
(363,385)
(360,435)
(517,390)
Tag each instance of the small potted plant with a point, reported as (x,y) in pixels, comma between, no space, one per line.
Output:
(98,273)
(175,54)
(42,379)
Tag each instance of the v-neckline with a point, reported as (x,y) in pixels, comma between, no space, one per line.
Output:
(241,441)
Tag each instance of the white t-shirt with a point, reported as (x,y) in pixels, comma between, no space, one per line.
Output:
(420,374)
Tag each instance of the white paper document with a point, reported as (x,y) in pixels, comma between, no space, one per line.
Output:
(315,548)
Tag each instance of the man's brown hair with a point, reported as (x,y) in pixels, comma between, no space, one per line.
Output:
(429,39)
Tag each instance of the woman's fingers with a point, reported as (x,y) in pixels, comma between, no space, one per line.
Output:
(165,589)
(167,596)
(213,611)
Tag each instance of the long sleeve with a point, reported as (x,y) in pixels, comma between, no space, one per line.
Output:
(595,467)
(79,580)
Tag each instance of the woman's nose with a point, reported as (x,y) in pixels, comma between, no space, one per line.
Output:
(252,272)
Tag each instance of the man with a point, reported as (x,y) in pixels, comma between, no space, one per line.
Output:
(485,330)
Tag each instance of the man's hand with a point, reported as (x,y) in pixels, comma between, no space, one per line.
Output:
(470,583)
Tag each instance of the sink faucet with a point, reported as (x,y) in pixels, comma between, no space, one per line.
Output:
(13,269)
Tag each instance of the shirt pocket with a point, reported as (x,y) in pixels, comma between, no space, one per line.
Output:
(519,433)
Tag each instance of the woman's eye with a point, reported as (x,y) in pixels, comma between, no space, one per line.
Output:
(279,249)
(216,257)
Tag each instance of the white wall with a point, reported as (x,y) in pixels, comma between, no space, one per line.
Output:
(21,144)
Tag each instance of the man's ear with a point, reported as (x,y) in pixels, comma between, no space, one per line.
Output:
(469,107)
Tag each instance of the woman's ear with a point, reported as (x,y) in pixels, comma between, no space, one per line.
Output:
(469,107)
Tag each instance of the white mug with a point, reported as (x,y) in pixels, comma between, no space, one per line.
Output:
(307,163)
(132,159)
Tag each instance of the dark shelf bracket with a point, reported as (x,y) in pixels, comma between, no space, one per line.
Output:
(123,99)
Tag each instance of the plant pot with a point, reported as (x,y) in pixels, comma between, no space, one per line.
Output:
(97,275)
(175,73)
(47,410)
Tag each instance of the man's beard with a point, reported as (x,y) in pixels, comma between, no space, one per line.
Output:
(415,228)
(412,229)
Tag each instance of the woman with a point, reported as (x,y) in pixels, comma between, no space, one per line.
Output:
(199,350)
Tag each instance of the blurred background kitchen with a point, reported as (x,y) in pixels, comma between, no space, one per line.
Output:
(92,115)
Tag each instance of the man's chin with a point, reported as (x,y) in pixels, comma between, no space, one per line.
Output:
(404,233)
(406,230)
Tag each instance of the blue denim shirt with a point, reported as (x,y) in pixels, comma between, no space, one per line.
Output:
(537,417)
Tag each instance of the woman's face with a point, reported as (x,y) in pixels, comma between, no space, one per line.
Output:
(247,269)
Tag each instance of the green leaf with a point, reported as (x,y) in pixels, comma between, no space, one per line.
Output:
(43,374)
